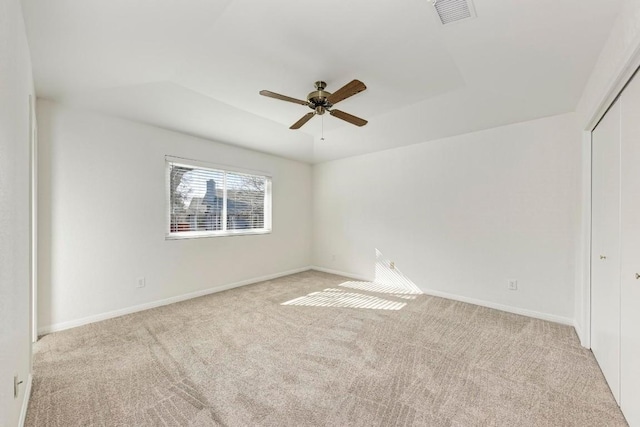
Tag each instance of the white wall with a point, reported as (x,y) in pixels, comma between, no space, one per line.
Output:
(16,85)
(103,218)
(462,215)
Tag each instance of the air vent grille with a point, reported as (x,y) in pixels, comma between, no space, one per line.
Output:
(454,10)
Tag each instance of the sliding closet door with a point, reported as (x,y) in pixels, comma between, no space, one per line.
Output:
(630,252)
(605,247)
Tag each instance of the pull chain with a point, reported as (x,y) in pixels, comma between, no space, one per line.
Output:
(322,135)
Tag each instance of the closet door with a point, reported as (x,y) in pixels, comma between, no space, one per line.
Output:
(630,252)
(605,247)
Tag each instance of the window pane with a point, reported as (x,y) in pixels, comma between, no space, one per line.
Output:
(245,201)
(196,198)
(207,201)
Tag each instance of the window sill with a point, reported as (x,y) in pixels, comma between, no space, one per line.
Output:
(200,235)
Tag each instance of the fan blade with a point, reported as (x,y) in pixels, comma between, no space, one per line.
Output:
(302,121)
(282,97)
(348,117)
(350,89)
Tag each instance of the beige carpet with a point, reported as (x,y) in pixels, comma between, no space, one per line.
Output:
(352,355)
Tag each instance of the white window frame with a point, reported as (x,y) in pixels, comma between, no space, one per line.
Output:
(180,235)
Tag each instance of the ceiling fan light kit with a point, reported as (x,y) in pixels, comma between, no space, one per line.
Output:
(321,101)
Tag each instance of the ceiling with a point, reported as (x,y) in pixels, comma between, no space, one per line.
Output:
(197,66)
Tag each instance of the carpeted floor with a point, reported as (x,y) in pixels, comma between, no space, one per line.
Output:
(336,354)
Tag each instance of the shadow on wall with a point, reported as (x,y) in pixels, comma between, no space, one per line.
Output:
(390,281)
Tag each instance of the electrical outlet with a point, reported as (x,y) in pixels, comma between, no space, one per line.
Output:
(513,285)
(392,265)
(142,282)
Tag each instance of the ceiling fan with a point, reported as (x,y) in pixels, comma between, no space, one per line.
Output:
(321,101)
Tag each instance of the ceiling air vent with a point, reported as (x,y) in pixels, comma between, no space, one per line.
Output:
(453,10)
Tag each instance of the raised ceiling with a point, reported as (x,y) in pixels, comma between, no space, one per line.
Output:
(197,66)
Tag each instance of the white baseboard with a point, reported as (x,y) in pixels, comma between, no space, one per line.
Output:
(502,307)
(578,329)
(121,312)
(56,327)
(341,273)
(25,401)
(483,303)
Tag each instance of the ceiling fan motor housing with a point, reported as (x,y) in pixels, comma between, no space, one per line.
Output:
(318,98)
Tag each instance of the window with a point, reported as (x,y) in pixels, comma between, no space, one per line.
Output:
(205,200)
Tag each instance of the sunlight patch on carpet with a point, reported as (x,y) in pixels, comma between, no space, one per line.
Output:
(332,297)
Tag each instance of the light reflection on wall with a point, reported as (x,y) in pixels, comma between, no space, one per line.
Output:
(392,278)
